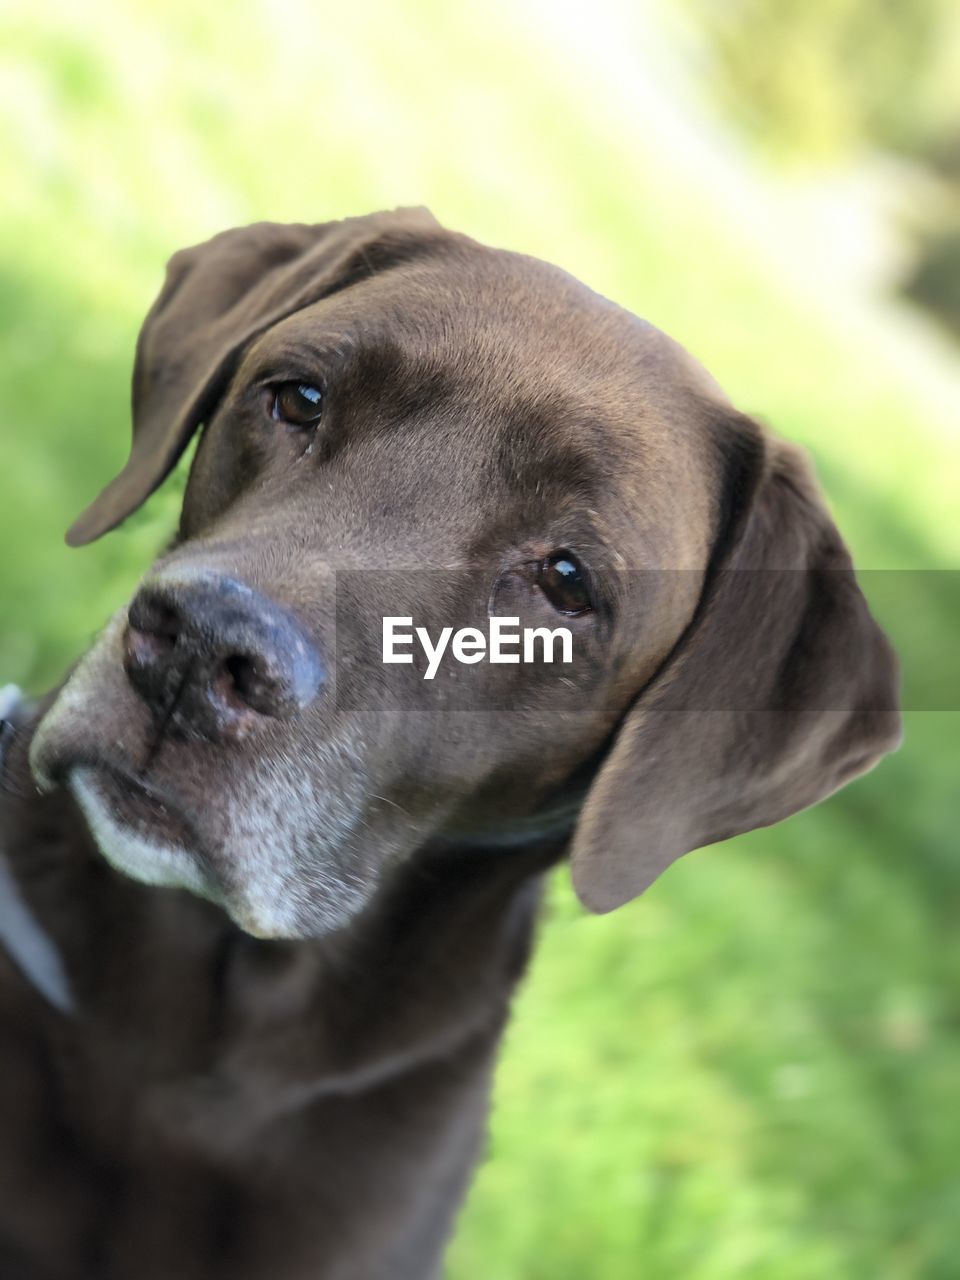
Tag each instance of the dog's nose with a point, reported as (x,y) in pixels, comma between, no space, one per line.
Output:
(211,656)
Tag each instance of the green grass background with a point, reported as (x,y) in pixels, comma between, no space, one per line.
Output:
(754,1071)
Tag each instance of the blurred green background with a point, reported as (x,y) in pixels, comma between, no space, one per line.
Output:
(754,1071)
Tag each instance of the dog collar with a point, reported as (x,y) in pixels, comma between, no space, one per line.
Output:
(22,935)
(10,699)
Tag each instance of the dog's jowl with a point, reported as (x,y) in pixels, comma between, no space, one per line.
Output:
(265,896)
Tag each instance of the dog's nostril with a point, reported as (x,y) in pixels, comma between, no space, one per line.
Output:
(244,677)
(156,625)
(142,648)
(165,627)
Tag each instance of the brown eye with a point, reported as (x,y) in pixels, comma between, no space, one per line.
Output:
(564,583)
(298,403)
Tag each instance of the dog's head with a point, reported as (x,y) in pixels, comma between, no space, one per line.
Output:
(398,421)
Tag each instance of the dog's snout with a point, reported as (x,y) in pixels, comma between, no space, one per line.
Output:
(213,655)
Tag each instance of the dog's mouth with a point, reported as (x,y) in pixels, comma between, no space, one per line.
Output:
(272,846)
(133,802)
(140,829)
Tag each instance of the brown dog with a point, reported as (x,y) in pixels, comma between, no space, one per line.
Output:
(398,421)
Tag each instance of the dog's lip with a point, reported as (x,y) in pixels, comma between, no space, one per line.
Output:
(148,808)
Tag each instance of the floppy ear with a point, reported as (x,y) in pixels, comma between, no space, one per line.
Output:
(782,689)
(217,297)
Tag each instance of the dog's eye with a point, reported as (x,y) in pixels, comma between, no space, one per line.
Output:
(564,583)
(297,403)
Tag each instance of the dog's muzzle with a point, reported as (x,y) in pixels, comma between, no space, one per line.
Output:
(212,657)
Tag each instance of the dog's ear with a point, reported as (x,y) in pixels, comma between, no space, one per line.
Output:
(217,297)
(782,688)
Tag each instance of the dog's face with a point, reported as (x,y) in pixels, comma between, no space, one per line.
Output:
(400,422)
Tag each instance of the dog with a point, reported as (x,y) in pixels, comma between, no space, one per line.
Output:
(266,900)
